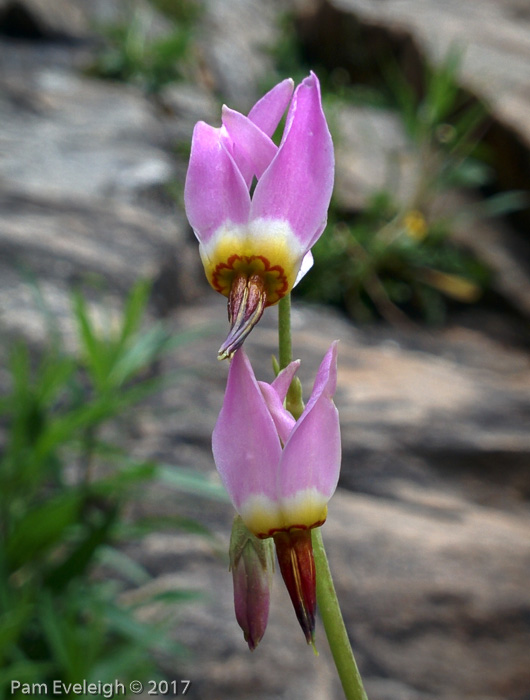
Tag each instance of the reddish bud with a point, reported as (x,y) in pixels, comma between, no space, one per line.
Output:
(295,557)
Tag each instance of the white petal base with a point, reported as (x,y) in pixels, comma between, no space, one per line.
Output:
(264,517)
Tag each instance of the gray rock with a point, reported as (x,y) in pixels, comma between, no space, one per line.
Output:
(494,39)
(494,36)
(103,14)
(184,105)
(80,137)
(62,243)
(493,242)
(236,40)
(43,19)
(372,155)
(84,178)
(437,600)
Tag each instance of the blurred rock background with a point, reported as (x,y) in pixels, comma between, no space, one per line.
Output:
(426,266)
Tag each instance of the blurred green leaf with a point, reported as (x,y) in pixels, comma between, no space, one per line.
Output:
(135,307)
(123,564)
(149,524)
(442,88)
(60,520)
(127,476)
(133,54)
(405,97)
(122,622)
(95,352)
(42,527)
(502,203)
(14,621)
(132,359)
(79,559)
(171,597)
(469,173)
(189,481)
(28,671)
(53,625)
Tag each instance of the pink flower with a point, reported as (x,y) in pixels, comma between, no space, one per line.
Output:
(254,247)
(280,472)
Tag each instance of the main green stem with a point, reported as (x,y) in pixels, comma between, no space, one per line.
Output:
(331,615)
(284,331)
(327,601)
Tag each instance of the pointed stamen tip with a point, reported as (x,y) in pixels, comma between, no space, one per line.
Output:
(306,620)
(224,354)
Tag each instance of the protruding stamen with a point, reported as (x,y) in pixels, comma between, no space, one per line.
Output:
(246,303)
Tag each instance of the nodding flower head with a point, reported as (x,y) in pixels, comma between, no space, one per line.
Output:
(254,247)
(280,472)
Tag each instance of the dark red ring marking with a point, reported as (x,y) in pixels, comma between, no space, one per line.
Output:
(274,530)
(229,265)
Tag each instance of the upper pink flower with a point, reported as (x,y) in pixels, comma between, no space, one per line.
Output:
(279,472)
(258,242)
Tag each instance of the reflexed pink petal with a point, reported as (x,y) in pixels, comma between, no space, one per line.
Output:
(245,442)
(298,183)
(283,381)
(283,420)
(312,455)
(274,394)
(326,380)
(268,111)
(251,149)
(215,191)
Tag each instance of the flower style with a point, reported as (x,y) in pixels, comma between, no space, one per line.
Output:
(254,248)
(280,472)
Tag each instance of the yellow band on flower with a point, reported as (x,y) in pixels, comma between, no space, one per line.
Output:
(267,248)
(263,517)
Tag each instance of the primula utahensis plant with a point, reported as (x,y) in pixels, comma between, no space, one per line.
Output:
(278,460)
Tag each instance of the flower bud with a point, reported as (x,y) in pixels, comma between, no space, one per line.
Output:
(252,566)
(295,557)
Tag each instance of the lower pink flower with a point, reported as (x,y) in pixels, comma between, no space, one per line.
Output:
(280,472)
